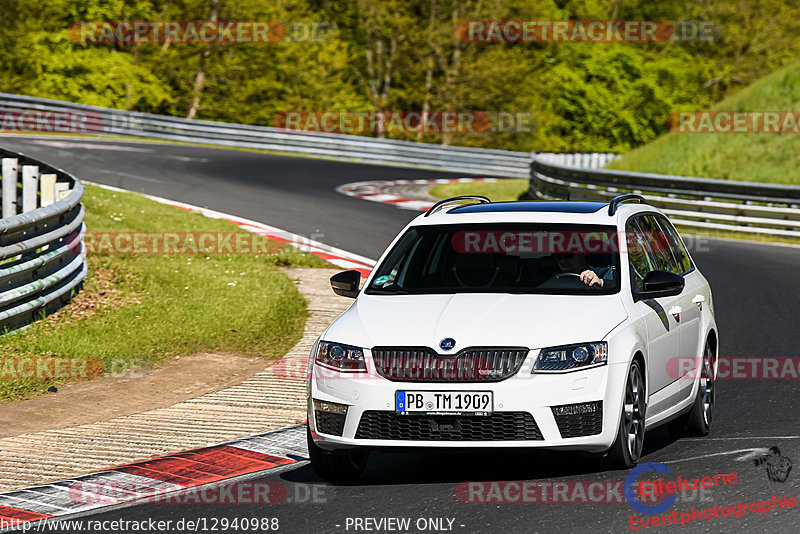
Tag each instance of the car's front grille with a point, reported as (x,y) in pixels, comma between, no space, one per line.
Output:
(473,364)
(499,426)
(575,420)
(330,423)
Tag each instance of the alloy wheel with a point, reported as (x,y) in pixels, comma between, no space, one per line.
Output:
(634,412)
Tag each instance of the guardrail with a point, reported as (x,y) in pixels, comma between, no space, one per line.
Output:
(749,207)
(692,202)
(584,160)
(79,118)
(42,255)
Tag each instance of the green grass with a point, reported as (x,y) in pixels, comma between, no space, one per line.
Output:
(502,190)
(765,157)
(136,310)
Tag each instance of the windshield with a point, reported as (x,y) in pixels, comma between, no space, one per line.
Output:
(501,258)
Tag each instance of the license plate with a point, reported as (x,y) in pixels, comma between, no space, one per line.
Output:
(444,402)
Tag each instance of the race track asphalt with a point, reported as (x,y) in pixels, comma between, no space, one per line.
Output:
(756,297)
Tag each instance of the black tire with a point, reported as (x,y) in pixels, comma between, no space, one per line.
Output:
(336,466)
(627,448)
(701,417)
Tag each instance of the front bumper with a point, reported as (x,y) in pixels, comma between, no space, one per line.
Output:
(523,412)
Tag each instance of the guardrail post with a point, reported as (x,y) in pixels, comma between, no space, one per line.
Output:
(30,183)
(47,184)
(61,190)
(9,188)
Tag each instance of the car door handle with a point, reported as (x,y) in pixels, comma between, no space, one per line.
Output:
(699,300)
(675,311)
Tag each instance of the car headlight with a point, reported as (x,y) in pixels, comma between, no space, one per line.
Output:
(341,357)
(571,357)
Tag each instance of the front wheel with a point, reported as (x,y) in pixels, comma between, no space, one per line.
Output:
(627,448)
(336,466)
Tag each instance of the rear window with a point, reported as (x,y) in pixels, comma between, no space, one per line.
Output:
(502,258)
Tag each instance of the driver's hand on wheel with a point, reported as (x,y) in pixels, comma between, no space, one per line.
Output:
(590,278)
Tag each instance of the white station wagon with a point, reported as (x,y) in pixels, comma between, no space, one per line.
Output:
(559,325)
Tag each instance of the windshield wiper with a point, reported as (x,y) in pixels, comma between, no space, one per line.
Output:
(397,291)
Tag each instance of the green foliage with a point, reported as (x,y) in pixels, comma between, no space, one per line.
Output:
(614,97)
(760,157)
(85,74)
(405,55)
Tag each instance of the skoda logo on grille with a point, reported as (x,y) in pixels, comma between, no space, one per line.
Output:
(447,343)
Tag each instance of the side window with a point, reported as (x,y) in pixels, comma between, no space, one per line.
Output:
(676,246)
(649,249)
(658,244)
(637,256)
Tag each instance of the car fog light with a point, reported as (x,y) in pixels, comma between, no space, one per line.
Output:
(575,409)
(330,407)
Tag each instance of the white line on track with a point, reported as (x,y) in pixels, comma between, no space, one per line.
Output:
(91,146)
(761,451)
(740,438)
(748,453)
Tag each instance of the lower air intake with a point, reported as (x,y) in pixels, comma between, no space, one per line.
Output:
(499,426)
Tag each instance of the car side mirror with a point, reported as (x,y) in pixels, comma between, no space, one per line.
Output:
(661,284)
(346,283)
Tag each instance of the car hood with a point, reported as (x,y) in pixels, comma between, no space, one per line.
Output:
(532,321)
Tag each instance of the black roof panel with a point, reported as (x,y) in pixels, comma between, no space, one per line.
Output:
(534,205)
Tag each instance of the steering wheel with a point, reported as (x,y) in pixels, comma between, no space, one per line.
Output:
(572,276)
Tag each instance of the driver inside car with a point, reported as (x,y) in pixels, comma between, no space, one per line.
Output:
(578,264)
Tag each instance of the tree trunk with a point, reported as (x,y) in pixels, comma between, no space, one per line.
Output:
(430,63)
(381,52)
(200,79)
(454,68)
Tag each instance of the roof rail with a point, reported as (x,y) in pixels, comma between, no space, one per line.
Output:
(616,201)
(439,205)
